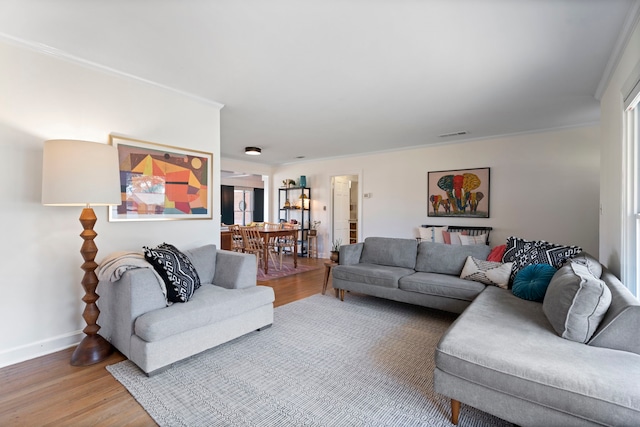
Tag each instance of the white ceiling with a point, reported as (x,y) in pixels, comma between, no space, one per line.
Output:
(325,78)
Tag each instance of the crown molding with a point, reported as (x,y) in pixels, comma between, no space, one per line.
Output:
(630,23)
(65,56)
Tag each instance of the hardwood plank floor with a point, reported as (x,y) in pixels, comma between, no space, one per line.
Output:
(48,391)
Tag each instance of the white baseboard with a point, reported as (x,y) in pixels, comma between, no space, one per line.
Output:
(39,348)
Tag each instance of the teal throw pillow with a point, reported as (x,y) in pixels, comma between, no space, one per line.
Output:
(531,282)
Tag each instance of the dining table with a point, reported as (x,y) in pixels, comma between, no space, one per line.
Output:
(267,234)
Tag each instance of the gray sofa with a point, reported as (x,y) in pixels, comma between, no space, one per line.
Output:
(402,270)
(502,355)
(135,317)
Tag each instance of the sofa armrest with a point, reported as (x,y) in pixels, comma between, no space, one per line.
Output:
(235,270)
(350,254)
(122,302)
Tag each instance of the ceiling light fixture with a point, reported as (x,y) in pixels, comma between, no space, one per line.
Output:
(252,151)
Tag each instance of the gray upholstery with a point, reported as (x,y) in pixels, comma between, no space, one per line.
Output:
(371,274)
(390,251)
(575,302)
(447,259)
(203,259)
(504,357)
(441,285)
(621,325)
(135,319)
(209,304)
(386,267)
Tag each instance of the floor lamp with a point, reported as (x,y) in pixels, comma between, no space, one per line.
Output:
(83,173)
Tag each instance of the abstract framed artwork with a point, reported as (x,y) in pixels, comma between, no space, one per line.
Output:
(459,193)
(161,182)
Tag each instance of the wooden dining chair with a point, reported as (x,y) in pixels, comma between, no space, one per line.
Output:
(254,244)
(287,242)
(237,244)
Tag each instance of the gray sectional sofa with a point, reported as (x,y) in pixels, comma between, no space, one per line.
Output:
(402,270)
(502,355)
(135,317)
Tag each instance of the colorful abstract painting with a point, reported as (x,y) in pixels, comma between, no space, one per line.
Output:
(159,182)
(458,193)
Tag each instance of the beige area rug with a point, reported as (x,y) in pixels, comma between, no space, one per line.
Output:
(361,362)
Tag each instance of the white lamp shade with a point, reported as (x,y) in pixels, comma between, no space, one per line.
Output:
(80,173)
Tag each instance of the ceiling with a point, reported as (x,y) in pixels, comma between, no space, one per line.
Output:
(324,78)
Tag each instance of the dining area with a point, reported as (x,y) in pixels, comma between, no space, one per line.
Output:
(269,242)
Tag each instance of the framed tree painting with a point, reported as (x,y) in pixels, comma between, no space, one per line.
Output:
(458,193)
(161,182)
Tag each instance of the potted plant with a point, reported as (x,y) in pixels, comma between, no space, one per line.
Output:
(335,250)
(314,228)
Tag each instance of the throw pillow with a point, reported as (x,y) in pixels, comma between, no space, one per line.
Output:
(523,253)
(432,234)
(592,264)
(531,282)
(496,253)
(453,237)
(576,302)
(487,272)
(176,269)
(473,240)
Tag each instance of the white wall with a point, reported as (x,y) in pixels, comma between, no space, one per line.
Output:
(45,97)
(543,186)
(612,157)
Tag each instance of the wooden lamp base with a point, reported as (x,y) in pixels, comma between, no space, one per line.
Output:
(93,348)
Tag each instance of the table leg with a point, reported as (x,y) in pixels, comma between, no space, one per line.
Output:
(295,250)
(327,271)
(265,257)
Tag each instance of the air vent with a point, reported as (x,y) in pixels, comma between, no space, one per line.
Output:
(447,135)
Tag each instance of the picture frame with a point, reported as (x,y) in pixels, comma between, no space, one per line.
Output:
(459,193)
(161,182)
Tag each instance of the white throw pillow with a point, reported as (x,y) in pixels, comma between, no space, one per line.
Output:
(473,240)
(487,272)
(432,234)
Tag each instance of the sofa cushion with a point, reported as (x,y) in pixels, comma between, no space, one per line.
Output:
(473,240)
(487,272)
(176,270)
(208,305)
(619,328)
(204,260)
(497,253)
(371,274)
(453,237)
(576,302)
(531,282)
(523,253)
(447,259)
(442,285)
(522,356)
(390,251)
(592,264)
(432,234)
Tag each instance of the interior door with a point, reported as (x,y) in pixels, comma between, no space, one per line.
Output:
(341,198)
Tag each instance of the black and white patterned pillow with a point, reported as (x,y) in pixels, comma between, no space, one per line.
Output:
(176,269)
(523,253)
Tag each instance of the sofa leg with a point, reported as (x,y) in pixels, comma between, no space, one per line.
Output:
(341,294)
(455,411)
(265,327)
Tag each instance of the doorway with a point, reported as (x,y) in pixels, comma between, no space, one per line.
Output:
(345,213)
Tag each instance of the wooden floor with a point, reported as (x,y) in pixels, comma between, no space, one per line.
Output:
(48,391)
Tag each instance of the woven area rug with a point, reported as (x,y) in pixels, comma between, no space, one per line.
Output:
(287,270)
(361,362)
